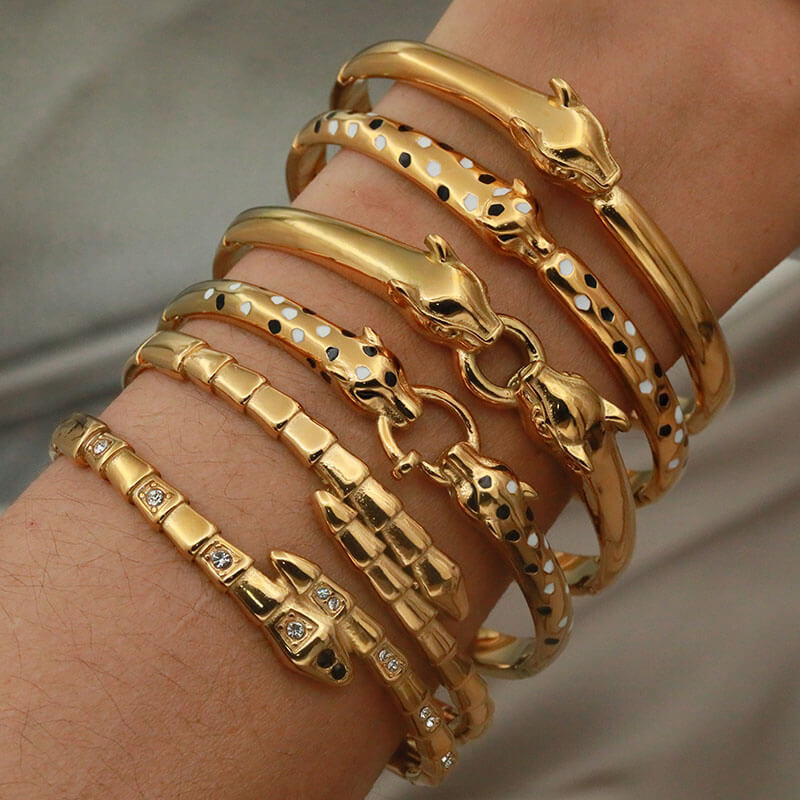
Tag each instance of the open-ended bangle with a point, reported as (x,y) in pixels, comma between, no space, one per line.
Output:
(564,140)
(373,380)
(540,579)
(507,216)
(312,622)
(446,299)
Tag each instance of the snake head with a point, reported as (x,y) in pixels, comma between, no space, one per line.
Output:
(571,147)
(305,627)
(567,412)
(451,303)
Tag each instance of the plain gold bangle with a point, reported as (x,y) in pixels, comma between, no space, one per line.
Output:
(312,622)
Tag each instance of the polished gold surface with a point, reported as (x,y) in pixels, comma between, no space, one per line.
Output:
(565,140)
(508,217)
(312,622)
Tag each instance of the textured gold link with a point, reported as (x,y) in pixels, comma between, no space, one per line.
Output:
(440,578)
(565,140)
(311,621)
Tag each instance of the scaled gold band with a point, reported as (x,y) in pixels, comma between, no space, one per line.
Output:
(564,140)
(508,217)
(312,622)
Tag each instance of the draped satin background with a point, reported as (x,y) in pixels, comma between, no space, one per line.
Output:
(132,133)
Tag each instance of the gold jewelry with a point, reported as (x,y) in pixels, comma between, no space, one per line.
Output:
(485,489)
(312,622)
(349,248)
(508,217)
(187,358)
(534,564)
(566,141)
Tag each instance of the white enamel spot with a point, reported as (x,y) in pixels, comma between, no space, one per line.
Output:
(362,372)
(466,163)
(548,566)
(550,588)
(433,168)
(512,487)
(289,312)
(533,540)
(563,622)
(582,302)
(630,328)
(471,202)
(679,436)
(277,299)
(298,335)
(208,293)
(679,415)
(380,142)
(234,286)
(524,207)
(645,387)
(333,126)
(674,463)
(245,307)
(501,191)
(352,129)
(323,331)
(424,141)
(639,354)
(566,267)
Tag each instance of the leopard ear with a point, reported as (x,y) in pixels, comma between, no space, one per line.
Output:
(519,187)
(439,249)
(371,336)
(565,95)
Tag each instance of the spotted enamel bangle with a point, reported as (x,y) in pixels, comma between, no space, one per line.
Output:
(317,448)
(483,488)
(565,140)
(508,217)
(312,622)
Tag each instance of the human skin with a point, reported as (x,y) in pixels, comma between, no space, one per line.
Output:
(122,673)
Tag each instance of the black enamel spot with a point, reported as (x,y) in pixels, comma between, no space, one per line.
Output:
(326,659)
(404,159)
(307,310)
(369,350)
(513,535)
(663,400)
(390,378)
(485,481)
(375,124)
(338,671)
(330,115)
(607,314)
(485,177)
(551,640)
(311,362)
(545,611)
(619,347)
(529,513)
(445,146)
(220,301)
(404,127)
(496,209)
(590,281)
(503,511)
(665,430)
(443,193)
(506,237)
(658,370)
(472,500)
(348,334)
(332,353)
(317,125)
(274,326)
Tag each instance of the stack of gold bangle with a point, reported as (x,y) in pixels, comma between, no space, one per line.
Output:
(313,623)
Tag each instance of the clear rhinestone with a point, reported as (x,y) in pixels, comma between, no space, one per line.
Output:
(323,592)
(295,630)
(220,559)
(448,759)
(334,603)
(425,712)
(393,665)
(384,655)
(100,446)
(154,498)
(431,723)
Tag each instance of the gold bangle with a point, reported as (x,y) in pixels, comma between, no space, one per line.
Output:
(533,562)
(348,248)
(508,217)
(566,141)
(312,622)
(483,488)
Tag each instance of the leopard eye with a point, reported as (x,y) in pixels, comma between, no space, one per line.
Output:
(447,307)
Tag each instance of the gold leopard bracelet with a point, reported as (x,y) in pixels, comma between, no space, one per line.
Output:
(312,622)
